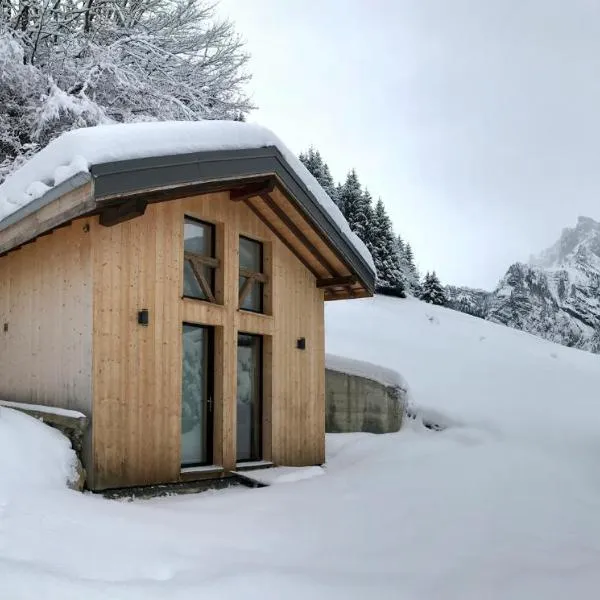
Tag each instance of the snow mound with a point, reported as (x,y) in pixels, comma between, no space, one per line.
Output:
(472,372)
(76,151)
(32,455)
(367,370)
(277,475)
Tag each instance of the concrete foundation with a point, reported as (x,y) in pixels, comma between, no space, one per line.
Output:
(358,403)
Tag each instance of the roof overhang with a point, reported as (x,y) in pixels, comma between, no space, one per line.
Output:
(121,189)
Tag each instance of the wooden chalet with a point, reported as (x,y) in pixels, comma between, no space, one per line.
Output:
(178,301)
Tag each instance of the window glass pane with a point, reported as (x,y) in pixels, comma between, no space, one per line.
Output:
(253,300)
(194,397)
(191,287)
(250,255)
(197,237)
(198,240)
(249,401)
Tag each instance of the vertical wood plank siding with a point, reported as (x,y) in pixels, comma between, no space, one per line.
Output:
(137,370)
(46,321)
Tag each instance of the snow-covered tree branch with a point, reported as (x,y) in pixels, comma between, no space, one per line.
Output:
(74,63)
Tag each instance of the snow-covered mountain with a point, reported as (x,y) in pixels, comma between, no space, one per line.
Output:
(556,295)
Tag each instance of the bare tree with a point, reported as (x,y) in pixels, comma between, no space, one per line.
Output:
(83,62)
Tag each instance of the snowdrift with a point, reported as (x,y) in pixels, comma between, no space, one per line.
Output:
(472,371)
(32,455)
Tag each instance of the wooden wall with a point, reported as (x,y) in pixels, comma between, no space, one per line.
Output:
(137,370)
(46,320)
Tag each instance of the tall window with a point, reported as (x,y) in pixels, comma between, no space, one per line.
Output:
(196,396)
(252,278)
(249,397)
(199,260)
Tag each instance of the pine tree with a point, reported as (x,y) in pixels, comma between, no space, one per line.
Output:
(363,223)
(400,246)
(409,272)
(432,290)
(338,197)
(410,259)
(385,256)
(319,169)
(357,208)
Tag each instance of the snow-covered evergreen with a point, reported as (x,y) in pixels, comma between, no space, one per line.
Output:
(409,272)
(384,250)
(75,63)
(358,208)
(432,290)
(319,169)
(394,260)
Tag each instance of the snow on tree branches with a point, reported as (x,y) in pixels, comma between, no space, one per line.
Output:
(394,261)
(75,63)
(319,169)
(390,278)
(432,290)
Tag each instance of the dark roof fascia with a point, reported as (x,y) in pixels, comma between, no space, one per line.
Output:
(122,178)
(74,182)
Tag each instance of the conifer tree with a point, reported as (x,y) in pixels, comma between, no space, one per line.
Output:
(364,220)
(357,208)
(410,274)
(410,259)
(400,246)
(319,169)
(432,290)
(385,255)
(339,198)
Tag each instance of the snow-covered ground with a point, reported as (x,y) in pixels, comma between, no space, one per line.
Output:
(503,504)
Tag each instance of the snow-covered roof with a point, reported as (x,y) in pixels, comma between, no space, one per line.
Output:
(78,151)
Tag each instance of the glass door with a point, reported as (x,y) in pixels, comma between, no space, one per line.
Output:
(249,397)
(196,397)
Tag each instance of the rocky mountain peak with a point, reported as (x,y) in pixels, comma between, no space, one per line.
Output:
(556,295)
(579,245)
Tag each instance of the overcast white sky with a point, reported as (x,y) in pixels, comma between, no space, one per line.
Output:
(476,121)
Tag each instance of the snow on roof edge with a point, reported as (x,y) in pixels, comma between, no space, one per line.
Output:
(76,151)
(51,410)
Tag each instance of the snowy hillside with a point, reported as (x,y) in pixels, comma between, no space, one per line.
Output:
(501,505)
(555,296)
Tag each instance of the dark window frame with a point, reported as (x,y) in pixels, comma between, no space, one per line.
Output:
(261,398)
(258,278)
(213,262)
(210,395)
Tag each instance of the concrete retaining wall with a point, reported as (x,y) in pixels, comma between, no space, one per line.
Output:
(358,402)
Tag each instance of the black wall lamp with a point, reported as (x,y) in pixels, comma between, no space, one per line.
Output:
(143,317)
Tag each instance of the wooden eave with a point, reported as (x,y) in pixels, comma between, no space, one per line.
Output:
(260,178)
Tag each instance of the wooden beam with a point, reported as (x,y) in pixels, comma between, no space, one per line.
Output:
(197,270)
(254,275)
(250,190)
(113,215)
(245,289)
(336,281)
(282,238)
(209,261)
(284,217)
